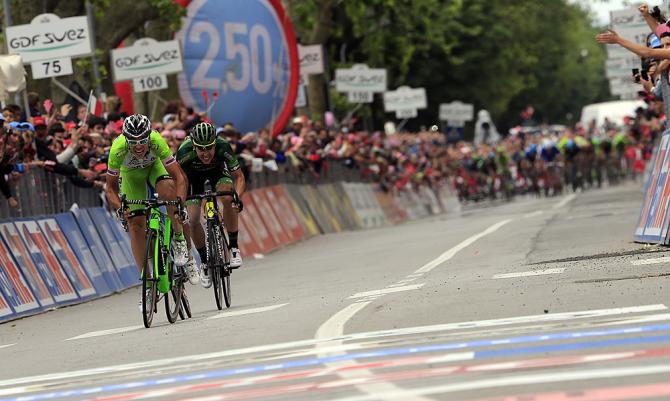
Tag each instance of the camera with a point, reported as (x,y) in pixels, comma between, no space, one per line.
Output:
(655,12)
(636,75)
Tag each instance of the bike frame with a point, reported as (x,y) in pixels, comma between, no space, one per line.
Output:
(155,219)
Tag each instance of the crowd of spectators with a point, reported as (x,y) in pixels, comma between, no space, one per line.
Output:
(529,159)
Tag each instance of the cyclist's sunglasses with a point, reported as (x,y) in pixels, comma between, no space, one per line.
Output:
(138,142)
(205,148)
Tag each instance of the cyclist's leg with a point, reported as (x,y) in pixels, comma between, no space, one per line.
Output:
(230,218)
(225,183)
(196,232)
(166,189)
(134,187)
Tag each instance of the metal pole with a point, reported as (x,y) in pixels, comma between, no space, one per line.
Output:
(402,125)
(69,92)
(94,58)
(8,13)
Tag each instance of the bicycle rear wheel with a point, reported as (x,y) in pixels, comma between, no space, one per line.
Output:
(215,262)
(173,307)
(149,282)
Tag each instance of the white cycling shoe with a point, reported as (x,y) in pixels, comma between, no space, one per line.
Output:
(192,270)
(235,258)
(205,280)
(180,252)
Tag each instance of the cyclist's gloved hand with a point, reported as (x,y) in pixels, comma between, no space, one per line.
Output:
(121,213)
(183,215)
(240,205)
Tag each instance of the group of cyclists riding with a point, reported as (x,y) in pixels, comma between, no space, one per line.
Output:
(542,163)
(141,158)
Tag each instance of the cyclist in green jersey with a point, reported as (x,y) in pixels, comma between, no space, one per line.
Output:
(139,157)
(206,157)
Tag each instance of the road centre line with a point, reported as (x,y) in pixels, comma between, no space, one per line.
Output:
(7,345)
(533,214)
(564,202)
(520,380)
(453,251)
(387,291)
(101,333)
(326,341)
(246,311)
(653,261)
(529,273)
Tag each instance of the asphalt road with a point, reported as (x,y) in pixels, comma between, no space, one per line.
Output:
(539,299)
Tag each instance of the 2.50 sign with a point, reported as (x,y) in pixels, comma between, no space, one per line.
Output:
(245,51)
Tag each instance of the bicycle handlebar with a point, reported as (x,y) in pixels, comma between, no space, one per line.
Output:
(213,195)
(151,202)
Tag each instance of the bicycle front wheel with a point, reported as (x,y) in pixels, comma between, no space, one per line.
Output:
(173,299)
(149,286)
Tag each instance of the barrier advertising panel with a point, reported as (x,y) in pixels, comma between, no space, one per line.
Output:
(652,223)
(272,221)
(5,310)
(14,286)
(253,218)
(44,258)
(123,262)
(97,247)
(75,238)
(282,206)
(68,260)
(40,286)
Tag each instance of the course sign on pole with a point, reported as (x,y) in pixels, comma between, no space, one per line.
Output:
(360,82)
(49,43)
(311,60)
(245,52)
(405,101)
(147,62)
(457,113)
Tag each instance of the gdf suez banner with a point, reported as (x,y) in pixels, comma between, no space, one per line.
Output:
(653,222)
(240,55)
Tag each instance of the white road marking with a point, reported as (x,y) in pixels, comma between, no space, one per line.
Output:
(664,259)
(415,275)
(246,311)
(529,273)
(407,280)
(533,214)
(105,332)
(387,291)
(7,345)
(323,339)
(564,201)
(518,380)
(453,251)
(334,327)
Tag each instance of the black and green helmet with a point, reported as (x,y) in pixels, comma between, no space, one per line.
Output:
(203,134)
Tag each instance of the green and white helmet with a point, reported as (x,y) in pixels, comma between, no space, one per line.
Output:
(203,134)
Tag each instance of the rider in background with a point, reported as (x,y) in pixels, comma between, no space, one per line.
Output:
(204,156)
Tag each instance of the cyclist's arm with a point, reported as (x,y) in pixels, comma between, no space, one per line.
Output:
(179,177)
(116,155)
(112,191)
(240,183)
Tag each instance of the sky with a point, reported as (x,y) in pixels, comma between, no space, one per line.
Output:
(601,8)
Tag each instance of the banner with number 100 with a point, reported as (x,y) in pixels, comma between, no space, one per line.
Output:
(241,61)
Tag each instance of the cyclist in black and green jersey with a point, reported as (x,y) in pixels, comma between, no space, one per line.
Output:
(206,157)
(139,157)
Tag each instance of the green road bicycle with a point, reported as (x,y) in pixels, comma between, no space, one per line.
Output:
(218,253)
(159,273)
